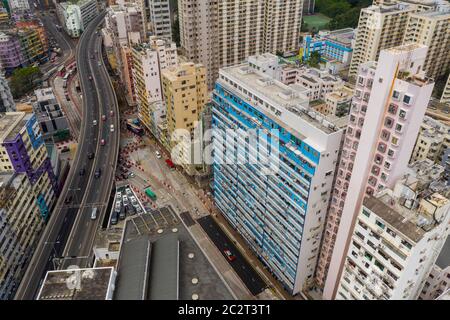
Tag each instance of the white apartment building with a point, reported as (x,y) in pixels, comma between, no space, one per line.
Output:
(438,281)
(319,83)
(432,142)
(379,27)
(149,60)
(160,21)
(388,107)
(397,238)
(431,28)
(76,15)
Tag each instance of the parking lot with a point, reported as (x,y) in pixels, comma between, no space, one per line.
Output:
(126,203)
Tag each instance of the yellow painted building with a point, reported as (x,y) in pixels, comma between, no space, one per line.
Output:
(185,93)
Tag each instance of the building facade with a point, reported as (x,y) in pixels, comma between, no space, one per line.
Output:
(277,198)
(432,142)
(6,99)
(221,33)
(28,190)
(149,61)
(379,27)
(76,15)
(431,28)
(397,238)
(388,106)
(185,95)
(160,20)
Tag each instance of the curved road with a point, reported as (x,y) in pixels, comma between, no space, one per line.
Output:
(70,222)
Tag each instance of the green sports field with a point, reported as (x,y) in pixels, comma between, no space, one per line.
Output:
(319,21)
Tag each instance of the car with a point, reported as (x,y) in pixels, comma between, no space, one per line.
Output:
(125,200)
(133,200)
(138,210)
(119,195)
(122,213)
(68,199)
(94,122)
(94,213)
(112,128)
(99,64)
(114,217)
(102,142)
(98,173)
(104,117)
(128,191)
(229,255)
(131,175)
(158,154)
(91,155)
(90,77)
(111,113)
(118,204)
(82,171)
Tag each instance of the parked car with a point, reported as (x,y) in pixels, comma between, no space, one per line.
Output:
(229,255)
(114,217)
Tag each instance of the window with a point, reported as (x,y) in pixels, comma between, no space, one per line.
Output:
(402,114)
(366,213)
(394,141)
(406,244)
(396,94)
(407,99)
(380,224)
(398,127)
(388,122)
(392,233)
(392,109)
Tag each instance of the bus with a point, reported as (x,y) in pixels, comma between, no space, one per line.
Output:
(150,194)
(61,71)
(135,128)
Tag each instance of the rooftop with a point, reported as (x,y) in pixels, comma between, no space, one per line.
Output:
(280,100)
(77,284)
(391,215)
(11,123)
(174,260)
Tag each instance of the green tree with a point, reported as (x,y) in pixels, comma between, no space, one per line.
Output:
(24,80)
(314,59)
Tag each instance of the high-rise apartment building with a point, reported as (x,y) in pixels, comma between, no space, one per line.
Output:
(397,238)
(185,95)
(28,188)
(431,28)
(221,33)
(379,27)
(149,61)
(389,103)
(273,166)
(160,21)
(282,22)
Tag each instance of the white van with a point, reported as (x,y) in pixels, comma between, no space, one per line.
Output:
(94,213)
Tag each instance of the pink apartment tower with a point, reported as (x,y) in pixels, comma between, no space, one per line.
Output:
(388,106)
